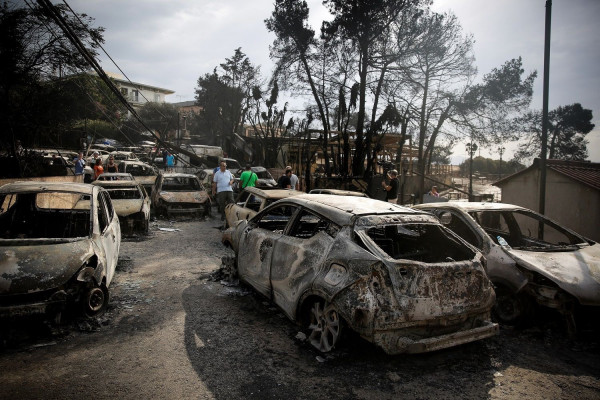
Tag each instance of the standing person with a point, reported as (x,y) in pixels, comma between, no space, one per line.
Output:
(433,192)
(293,179)
(392,188)
(95,157)
(222,181)
(111,166)
(98,168)
(79,164)
(165,153)
(284,181)
(248,178)
(170,162)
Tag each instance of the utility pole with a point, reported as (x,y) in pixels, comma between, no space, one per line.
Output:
(471,148)
(542,194)
(501,151)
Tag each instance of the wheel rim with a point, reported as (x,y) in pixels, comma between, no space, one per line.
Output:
(508,308)
(95,301)
(325,327)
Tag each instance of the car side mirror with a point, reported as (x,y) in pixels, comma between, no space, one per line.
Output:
(202,175)
(445,218)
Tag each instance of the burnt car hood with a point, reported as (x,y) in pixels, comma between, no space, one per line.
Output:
(127,207)
(577,272)
(184,197)
(44,265)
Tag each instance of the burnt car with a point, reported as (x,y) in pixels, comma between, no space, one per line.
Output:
(264,179)
(177,193)
(59,245)
(144,173)
(131,203)
(531,260)
(251,200)
(396,276)
(115,176)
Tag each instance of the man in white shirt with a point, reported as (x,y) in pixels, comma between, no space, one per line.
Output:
(222,181)
(293,179)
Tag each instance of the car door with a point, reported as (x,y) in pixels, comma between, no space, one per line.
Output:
(298,256)
(255,249)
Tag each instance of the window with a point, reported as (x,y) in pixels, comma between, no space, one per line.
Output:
(125,194)
(109,207)
(124,91)
(494,224)
(276,218)
(135,95)
(309,224)
(156,97)
(458,226)
(103,220)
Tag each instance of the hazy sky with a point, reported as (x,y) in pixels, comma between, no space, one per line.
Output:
(170,43)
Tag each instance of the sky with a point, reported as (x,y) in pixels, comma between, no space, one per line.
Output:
(171,43)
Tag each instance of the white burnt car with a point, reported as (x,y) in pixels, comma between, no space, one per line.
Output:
(394,275)
(530,259)
(176,193)
(130,201)
(59,245)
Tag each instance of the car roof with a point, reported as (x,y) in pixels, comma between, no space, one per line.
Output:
(38,186)
(471,206)
(135,162)
(338,192)
(273,193)
(117,174)
(177,175)
(120,184)
(341,209)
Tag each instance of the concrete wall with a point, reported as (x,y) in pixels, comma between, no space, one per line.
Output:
(568,202)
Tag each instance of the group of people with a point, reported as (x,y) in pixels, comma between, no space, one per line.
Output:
(392,187)
(288,180)
(223,179)
(96,164)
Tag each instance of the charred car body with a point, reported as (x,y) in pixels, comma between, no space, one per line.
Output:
(176,193)
(59,245)
(252,200)
(530,259)
(131,203)
(395,276)
(141,172)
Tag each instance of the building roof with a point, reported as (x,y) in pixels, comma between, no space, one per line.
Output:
(587,173)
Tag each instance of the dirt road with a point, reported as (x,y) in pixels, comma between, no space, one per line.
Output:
(172,333)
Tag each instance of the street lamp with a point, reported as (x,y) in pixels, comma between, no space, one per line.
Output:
(471,148)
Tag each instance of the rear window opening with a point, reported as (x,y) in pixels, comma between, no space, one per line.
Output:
(125,194)
(419,242)
(48,215)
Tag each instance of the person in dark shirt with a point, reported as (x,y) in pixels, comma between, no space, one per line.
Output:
(284,181)
(392,188)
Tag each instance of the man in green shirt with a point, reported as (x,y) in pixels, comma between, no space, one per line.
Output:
(248,178)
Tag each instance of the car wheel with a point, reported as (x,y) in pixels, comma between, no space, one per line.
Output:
(325,326)
(510,308)
(95,301)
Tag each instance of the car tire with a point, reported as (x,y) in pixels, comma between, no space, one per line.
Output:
(510,308)
(95,301)
(325,326)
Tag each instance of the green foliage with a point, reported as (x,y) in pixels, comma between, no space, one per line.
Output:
(567,128)
(491,168)
(37,105)
(224,96)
